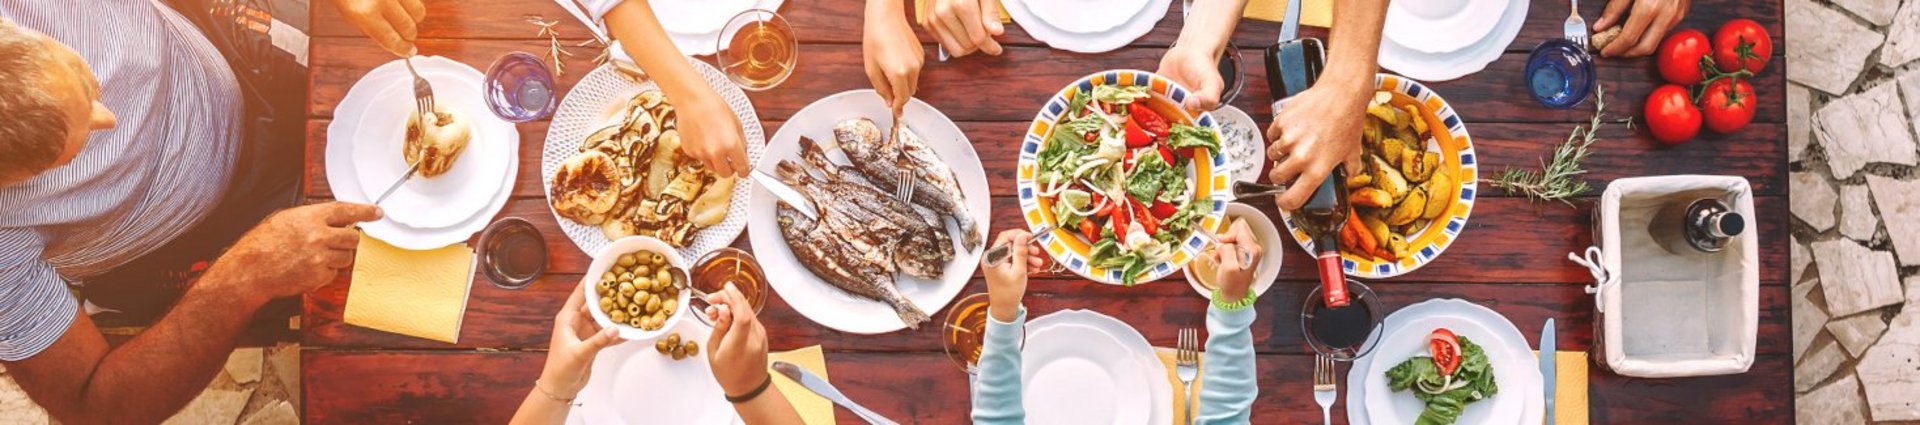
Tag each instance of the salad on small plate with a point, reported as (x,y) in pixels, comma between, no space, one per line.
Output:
(1123,176)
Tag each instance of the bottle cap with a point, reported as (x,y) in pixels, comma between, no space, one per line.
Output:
(1728,224)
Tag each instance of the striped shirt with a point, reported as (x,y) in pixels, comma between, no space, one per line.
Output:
(133,188)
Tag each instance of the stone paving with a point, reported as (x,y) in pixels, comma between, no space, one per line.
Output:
(1853,112)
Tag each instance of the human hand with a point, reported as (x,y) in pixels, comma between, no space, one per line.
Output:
(1315,131)
(892,55)
(737,349)
(965,26)
(1235,276)
(1198,69)
(576,340)
(1644,27)
(1007,281)
(294,250)
(710,133)
(393,24)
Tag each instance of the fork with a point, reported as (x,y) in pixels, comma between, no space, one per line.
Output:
(1324,388)
(1576,28)
(903,176)
(422,92)
(1187,365)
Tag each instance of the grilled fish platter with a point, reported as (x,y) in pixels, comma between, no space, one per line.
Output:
(850,254)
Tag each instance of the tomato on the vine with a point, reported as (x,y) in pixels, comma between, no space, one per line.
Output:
(1670,114)
(1742,44)
(1729,104)
(1679,56)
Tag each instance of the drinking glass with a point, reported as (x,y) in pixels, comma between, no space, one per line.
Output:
(965,330)
(520,88)
(512,253)
(1232,74)
(1559,74)
(757,49)
(1343,324)
(712,272)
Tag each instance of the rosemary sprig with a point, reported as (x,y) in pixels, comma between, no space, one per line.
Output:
(1559,178)
(555,51)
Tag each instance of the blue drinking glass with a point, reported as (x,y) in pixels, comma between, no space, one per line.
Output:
(520,88)
(1559,74)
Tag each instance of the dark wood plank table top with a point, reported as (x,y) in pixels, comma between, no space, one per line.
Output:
(1511,258)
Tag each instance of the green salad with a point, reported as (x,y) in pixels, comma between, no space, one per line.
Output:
(1115,173)
(1455,374)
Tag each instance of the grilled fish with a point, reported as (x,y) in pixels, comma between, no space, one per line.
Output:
(858,273)
(935,186)
(914,238)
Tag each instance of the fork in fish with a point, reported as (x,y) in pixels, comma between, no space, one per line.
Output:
(903,176)
(1324,388)
(1576,28)
(422,92)
(1187,365)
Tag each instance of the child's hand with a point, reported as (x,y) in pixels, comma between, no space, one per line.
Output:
(1234,275)
(1007,280)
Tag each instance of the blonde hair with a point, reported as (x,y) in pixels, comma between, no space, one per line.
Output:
(33,132)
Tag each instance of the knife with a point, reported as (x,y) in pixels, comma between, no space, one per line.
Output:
(785,193)
(1548,362)
(414,169)
(824,389)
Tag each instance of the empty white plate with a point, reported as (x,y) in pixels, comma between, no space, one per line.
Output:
(1442,26)
(1135,25)
(1132,345)
(1429,67)
(1086,16)
(1077,374)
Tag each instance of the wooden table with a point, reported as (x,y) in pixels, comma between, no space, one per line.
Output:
(1511,259)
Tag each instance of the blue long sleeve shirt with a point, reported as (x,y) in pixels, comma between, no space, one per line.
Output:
(1227,397)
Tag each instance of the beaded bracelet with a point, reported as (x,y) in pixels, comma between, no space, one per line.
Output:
(550,396)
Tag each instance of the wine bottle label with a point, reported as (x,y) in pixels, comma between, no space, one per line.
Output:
(1333,282)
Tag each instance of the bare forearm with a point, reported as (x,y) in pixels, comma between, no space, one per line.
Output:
(152,376)
(1356,44)
(1210,24)
(633,23)
(538,409)
(886,9)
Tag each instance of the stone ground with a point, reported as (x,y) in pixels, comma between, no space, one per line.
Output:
(259,386)
(1853,112)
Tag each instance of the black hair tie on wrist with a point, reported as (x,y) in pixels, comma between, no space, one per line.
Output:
(750,395)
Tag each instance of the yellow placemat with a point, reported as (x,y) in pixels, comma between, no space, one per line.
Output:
(1168,359)
(414,293)
(920,10)
(1313,13)
(1570,396)
(814,409)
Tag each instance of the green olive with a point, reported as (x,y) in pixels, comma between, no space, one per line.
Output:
(669,305)
(692,348)
(617,316)
(678,352)
(673,339)
(606,304)
(628,260)
(653,304)
(642,270)
(662,346)
(637,322)
(643,282)
(662,275)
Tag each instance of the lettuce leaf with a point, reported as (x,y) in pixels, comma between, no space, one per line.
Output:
(1445,408)
(1117,95)
(1187,136)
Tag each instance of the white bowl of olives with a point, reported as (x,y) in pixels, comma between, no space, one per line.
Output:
(628,288)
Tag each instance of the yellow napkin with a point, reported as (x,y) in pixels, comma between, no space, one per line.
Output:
(1169,359)
(1570,398)
(414,293)
(920,10)
(814,409)
(1313,13)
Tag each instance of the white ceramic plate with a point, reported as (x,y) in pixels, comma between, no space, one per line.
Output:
(1528,387)
(1134,27)
(675,391)
(1442,26)
(815,298)
(447,199)
(586,110)
(1086,16)
(1458,63)
(1135,345)
(1244,143)
(343,174)
(1075,373)
(1272,248)
(1387,406)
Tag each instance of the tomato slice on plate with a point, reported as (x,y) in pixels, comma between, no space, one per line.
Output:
(1446,350)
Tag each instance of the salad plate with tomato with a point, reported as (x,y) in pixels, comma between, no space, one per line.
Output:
(1121,177)
(1447,361)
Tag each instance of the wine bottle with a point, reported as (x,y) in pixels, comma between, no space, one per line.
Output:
(1293,65)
